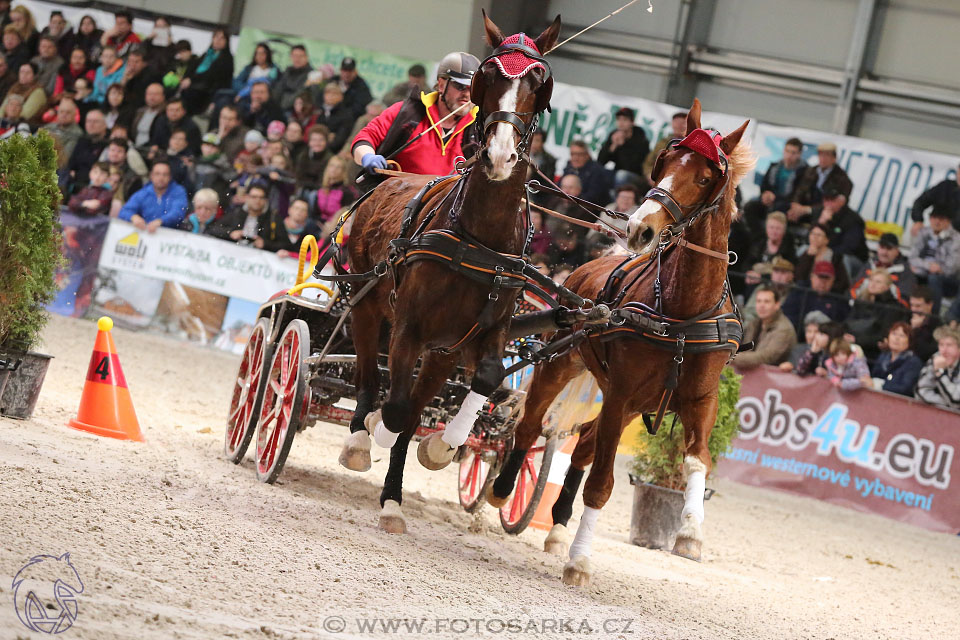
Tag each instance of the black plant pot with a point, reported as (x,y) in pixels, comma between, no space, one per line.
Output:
(656,514)
(21,376)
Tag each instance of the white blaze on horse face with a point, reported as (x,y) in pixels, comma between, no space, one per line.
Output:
(502,150)
(646,208)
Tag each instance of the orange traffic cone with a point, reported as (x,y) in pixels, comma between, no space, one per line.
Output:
(543,517)
(105,406)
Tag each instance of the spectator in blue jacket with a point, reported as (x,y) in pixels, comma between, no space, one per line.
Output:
(109,73)
(596,181)
(161,202)
(897,369)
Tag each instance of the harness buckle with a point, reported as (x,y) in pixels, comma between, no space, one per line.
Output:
(664,330)
(533,186)
(732,258)
(380,269)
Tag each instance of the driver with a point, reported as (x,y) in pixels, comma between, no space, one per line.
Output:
(437,151)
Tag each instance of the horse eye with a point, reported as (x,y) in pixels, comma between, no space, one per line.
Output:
(704,181)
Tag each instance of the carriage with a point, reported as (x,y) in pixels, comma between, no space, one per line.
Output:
(297,368)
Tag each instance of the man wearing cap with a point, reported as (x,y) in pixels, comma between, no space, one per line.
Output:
(818,297)
(356,92)
(627,146)
(436,151)
(894,262)
(416,81)
(943,196)
(827,175)
(772,334)
(939,382)
(781,272)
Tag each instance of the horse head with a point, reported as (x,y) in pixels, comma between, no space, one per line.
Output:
(694,176)
(512,86)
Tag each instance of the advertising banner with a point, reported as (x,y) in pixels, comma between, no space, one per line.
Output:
(197,261)
(865,450)
(886,178)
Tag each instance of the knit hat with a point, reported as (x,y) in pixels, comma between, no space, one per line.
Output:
(211,138)
(253,136)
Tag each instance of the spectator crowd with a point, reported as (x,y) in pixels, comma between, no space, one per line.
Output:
(157,134)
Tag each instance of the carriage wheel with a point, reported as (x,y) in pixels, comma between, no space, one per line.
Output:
(522,504)
(475,477)
(285,401)
(247,392)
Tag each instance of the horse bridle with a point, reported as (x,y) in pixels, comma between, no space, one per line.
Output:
(668,201)
(513,118)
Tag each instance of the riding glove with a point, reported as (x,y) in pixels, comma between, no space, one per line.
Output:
(372,161)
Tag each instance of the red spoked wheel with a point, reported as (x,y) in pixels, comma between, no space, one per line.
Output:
(247,392)
(517,513)
(285,401)
(475,476)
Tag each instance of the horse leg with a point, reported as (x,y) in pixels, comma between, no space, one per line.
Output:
(558,539)
(698,416)
(598,487)
(365,327)
(548,380)
(433,374)
(437,450)
(393,418)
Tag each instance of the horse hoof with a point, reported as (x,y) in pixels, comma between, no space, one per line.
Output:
(355,454)
(495,501)
(576,573)
(687,548)
(435,454)
(391,518)
(556,541)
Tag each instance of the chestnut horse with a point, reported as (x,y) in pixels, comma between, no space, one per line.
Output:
(689,246)
(433,311)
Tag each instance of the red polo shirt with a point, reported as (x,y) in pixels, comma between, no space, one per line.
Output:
(429,155)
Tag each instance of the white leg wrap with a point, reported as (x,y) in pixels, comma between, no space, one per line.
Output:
(457,430)
(383,436)
(696,473)
(584,538)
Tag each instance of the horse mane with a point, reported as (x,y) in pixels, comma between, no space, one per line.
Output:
(740,163)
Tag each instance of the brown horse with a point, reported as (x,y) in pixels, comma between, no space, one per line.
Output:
(434,312)
(630,372)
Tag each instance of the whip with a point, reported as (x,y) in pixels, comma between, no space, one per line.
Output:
(609,15)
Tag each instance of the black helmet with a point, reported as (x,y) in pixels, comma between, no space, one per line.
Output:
(458,67)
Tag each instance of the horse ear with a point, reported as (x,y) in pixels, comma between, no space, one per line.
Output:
(546,40)
(544,93)
(693,116)
(494,35)
(732,139)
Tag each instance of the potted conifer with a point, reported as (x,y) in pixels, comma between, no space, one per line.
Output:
(657,470)
(29,257)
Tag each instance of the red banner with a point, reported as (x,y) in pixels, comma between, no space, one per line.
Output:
(865,450)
